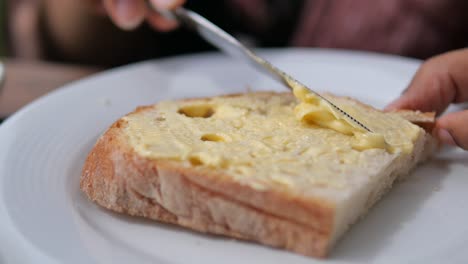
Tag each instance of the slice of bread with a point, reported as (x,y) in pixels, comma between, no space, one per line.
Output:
(244,166)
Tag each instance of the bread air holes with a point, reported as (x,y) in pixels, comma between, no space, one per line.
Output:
(195,161)
(213,137)
(199,110)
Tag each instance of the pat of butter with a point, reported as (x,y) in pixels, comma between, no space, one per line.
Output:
(367,140)
(312,110)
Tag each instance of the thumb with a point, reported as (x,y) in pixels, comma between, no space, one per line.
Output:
(452,129)
(159,22)
(126,14)
(440,81)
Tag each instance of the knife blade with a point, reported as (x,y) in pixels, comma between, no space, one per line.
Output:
(230,45)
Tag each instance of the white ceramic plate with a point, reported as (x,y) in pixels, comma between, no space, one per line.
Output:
(45,219)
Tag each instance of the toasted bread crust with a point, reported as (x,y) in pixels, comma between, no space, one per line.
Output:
(116,177)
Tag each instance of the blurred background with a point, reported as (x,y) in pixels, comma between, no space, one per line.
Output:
(47,43)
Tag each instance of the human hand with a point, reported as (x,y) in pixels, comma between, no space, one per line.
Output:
(440,81)
(129,14)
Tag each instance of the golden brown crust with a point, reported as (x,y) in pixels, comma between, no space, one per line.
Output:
(425,120)
(117,178)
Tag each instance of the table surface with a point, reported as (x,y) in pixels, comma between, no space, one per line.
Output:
(28,80)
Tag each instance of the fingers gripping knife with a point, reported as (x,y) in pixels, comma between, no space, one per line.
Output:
(227,43)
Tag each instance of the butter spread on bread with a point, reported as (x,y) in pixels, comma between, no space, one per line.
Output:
(256,166)
(261,138)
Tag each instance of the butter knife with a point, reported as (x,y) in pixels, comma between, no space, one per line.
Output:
(230,45)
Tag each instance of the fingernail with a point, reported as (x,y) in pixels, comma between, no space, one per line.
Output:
(128,14)
(164,4)
(445,137)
